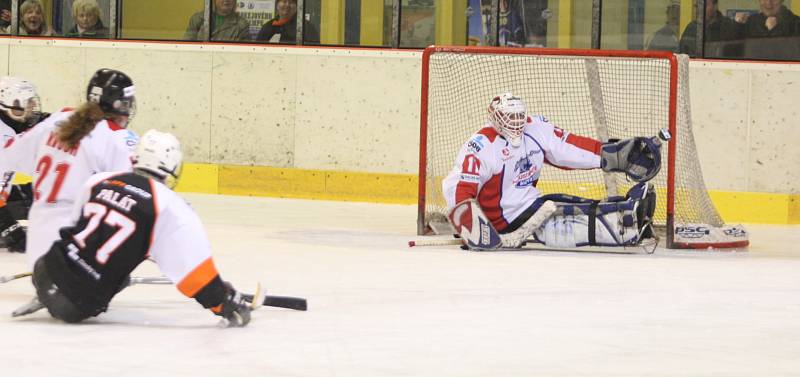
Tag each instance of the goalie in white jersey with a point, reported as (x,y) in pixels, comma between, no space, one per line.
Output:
(64,150)
(123,218)
(492,196)
(20,109)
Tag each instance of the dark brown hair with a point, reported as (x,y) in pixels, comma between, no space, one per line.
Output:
(79,124)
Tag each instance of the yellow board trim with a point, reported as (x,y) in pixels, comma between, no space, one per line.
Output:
(199,178)
(757,207)
(317,184)
(735,207)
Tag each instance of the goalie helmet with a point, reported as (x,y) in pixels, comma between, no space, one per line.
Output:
(19,100)
(113,91)
(159,155)
(507,113)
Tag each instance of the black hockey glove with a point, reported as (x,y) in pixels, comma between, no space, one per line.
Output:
(20,200)
(235,309)
(11,232)
(639,157)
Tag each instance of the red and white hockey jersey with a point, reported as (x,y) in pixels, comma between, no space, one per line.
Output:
(59,172)
(503,178)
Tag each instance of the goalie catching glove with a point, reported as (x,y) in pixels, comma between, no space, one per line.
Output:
(639,158)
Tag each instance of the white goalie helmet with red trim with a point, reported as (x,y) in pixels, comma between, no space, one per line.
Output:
(159,154)
(508,114)
(19,100)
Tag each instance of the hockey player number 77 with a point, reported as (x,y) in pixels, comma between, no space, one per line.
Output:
(125,227)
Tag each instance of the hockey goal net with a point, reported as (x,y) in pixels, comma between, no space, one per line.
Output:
(597,93)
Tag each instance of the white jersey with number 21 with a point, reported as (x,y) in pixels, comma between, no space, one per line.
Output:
(59,172)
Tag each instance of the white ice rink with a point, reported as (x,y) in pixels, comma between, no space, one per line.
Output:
(378,308)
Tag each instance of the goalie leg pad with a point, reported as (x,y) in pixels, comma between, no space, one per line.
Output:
(543,209)
(476,232)
(582,222)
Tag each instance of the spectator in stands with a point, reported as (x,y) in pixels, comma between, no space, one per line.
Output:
(86,14)
(418,31)
(283,28)
(32,17)
(536,15)
(5,16)
(722,36)
(226,24)
(772,33)
(666,38)
(511,31)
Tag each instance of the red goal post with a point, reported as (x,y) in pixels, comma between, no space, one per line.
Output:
(597,93)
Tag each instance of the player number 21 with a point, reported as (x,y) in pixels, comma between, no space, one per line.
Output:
(97,212)
(43,168)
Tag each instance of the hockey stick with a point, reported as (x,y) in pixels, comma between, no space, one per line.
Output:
(7,278)
(286,302)
(449,242)
(149,280)
(134,280)
(295,303)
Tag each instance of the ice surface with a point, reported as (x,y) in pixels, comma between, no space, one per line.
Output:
(378,308)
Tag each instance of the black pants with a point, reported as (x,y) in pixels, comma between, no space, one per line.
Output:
(59,306)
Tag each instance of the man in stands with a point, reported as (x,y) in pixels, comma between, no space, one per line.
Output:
(226,24)
(722,36)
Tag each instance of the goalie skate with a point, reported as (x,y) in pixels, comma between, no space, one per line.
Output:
(647,245)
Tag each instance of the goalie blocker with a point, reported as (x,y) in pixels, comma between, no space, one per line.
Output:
(564,221)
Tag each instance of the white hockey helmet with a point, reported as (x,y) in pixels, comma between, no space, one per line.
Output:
(19,100)
(508,113)
(159,155)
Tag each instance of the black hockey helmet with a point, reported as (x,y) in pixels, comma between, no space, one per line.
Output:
(113,91)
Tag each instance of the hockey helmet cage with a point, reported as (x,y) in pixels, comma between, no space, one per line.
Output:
(19,100)
(508,114)
(113,91)
(159,154)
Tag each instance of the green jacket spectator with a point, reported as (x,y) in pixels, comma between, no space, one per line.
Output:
(226,24)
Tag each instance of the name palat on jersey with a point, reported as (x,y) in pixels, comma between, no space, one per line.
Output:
(114,198)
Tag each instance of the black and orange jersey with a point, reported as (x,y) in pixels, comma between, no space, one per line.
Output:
(122,219)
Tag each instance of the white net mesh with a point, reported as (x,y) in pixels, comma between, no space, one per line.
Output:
(598,97)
